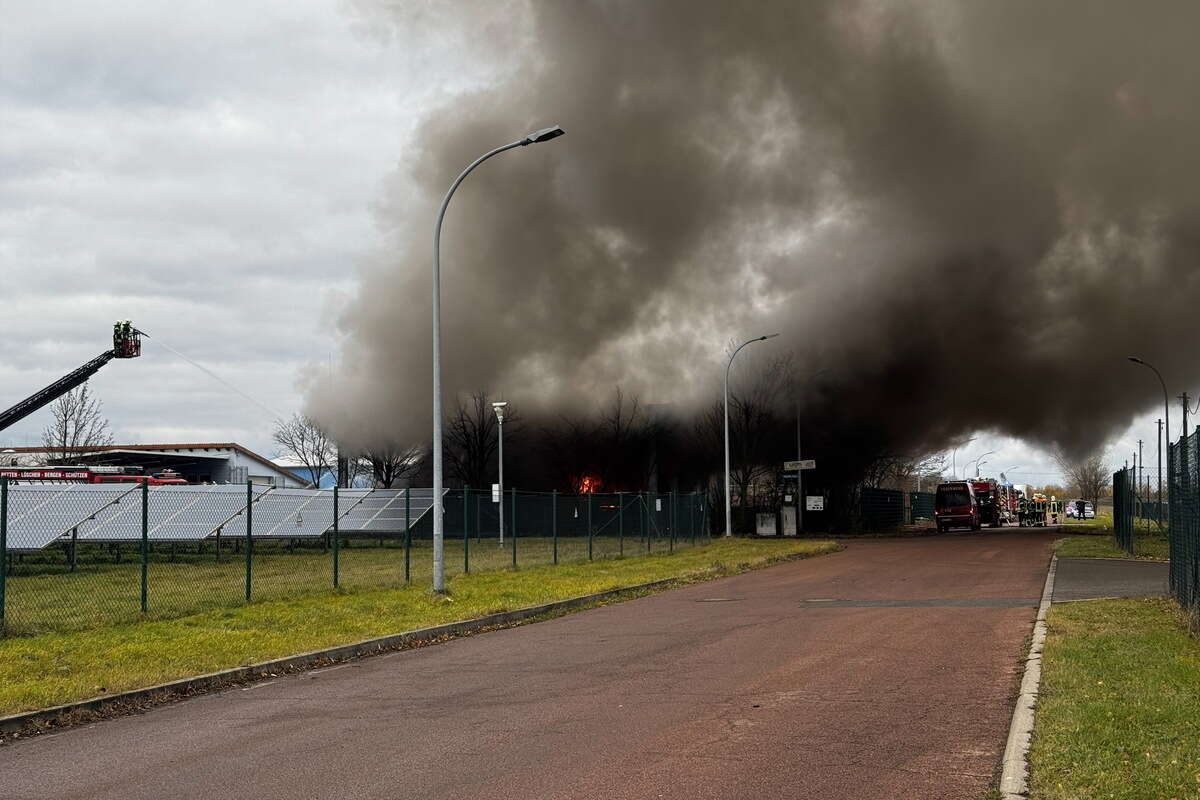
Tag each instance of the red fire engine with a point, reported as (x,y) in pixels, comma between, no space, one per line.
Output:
(89,474)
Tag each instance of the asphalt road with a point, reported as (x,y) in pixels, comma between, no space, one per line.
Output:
(884,671)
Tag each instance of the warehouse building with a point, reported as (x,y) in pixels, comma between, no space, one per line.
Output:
(208,462)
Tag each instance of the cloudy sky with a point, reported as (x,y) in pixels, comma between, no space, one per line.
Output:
(216,178)
(209,176)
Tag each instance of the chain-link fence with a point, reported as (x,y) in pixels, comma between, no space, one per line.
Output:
(79,556)
(921,506)
(881,509)
(1183,498)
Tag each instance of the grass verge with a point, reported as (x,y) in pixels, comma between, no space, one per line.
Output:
(1149,547)
(1119,710)
(54,668)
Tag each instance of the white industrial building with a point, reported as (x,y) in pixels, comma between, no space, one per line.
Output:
(207,462)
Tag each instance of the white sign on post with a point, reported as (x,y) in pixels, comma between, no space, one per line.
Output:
(658,504)
(814,503)
(495,493)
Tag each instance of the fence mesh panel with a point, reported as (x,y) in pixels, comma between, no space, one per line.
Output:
(1183,498)
(1124,503)
(882,509)
(79,556)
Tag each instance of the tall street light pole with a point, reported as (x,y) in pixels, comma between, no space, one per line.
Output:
(439,575)
(728,502)
(1166,425)
(499,409)
(978,465)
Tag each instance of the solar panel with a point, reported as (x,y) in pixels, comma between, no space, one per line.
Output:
(38,515)
(174,513)
(383,510)
(301,512)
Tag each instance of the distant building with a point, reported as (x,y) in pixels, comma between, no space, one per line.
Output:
(363,480)
(211,462)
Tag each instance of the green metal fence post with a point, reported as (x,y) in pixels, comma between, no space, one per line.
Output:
(646,521)
(620,523)
(672,517)
(692,517)
(145,544)
(589,524)
(554,522)
(336,537)
(407,539)
(513,526)
(466,531)
(249,538)
(3,547)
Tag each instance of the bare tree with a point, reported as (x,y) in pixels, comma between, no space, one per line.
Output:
(761,430)
(1090,476)
(472,441)
(390,464)
(902,472)
(78,425)
(302,438)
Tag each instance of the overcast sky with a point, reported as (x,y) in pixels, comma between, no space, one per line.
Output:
(215,179)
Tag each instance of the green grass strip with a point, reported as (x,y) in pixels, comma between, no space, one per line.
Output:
(54,668)
(1119,711)
(1149,547)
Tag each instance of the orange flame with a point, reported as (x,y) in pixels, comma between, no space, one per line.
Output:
(588,484)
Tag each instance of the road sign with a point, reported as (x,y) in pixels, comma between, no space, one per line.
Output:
(807,463)
(495,493)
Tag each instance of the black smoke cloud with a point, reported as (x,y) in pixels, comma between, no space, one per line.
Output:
(968,213)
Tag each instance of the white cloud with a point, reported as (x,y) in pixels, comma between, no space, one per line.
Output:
(210,175)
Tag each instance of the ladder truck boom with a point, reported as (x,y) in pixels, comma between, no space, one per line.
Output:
(126,344)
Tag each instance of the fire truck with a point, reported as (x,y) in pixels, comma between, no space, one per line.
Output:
(991,505)
(90,474)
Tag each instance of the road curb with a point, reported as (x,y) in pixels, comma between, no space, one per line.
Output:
(1014,774)
(142,699)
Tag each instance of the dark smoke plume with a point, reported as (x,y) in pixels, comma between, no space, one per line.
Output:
(967,212)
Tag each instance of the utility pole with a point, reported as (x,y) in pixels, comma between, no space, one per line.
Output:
(1141,470)
(1160,438)
(1137,481)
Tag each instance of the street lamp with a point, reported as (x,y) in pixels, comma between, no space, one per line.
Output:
(439,576)
(728,505)
(978,465)
(499,409)
(1166,426)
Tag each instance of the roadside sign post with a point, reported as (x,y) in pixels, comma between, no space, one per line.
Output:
(798,467)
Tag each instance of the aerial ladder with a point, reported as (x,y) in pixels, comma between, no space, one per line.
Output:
(127,343)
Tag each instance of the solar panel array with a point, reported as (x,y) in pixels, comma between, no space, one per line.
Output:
(174,513)
(39,515)
(294,513)
(383,510)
